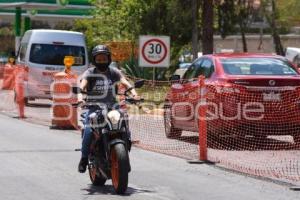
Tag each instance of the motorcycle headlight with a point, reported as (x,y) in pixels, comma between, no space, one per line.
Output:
(114,116)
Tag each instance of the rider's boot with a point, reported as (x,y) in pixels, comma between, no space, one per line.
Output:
(82,165)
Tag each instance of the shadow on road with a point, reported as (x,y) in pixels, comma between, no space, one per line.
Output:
(243,143)
(38,105)
(109,190)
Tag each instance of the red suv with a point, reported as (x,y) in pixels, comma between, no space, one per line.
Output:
(249,94)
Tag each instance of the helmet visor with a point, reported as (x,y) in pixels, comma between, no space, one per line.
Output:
(101,58)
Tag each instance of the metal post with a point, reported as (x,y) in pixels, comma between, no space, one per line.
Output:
(153,76)
(18,19)
(27,24)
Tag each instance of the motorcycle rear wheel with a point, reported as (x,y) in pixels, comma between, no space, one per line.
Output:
(119,168)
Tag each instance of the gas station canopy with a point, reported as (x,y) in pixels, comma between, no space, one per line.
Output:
(14,11)
(44,9)
(46,4)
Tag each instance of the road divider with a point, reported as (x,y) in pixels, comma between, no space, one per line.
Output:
(8,78)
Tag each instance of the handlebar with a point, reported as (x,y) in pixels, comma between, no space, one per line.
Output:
(127,100)
(133,101)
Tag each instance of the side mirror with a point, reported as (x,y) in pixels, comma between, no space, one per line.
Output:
(76,90)
(139,84)
(175,77)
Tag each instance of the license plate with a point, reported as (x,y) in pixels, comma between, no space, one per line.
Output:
(44,87)
(272,96)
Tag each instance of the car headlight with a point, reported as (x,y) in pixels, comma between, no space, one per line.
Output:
(114,116)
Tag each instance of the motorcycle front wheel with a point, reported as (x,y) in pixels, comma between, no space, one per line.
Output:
(96,178)
(119,168)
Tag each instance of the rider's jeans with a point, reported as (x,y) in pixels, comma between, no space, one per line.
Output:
(87,136)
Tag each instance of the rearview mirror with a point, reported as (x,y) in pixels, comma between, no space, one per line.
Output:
(175,77)
(76,90)
(139,84)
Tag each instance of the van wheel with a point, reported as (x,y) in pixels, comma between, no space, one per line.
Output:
(170,131)
(26,101)
(15,96)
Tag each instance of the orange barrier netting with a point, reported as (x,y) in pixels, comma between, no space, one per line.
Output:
(8,78)
(254,130)
(15,101)
(147,124)
(1,71)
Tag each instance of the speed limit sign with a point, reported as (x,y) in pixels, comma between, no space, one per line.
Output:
(154,51)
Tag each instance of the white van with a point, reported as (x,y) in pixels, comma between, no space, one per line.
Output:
(43,52)
(293,55)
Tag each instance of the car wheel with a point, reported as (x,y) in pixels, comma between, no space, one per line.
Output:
(170,131)
(297,140)
(26,101)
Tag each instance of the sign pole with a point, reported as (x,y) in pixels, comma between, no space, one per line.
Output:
(153,75)
(18,19)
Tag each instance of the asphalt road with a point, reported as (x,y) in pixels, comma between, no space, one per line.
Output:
(40,164)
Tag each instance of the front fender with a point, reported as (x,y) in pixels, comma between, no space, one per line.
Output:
(116,141)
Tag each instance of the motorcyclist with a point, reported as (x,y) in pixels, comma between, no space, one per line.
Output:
(99,82)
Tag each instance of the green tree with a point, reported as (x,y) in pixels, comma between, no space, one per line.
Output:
(7,38)
(235,12)
(289,12)
(125,20)
(207,26)
(271,13)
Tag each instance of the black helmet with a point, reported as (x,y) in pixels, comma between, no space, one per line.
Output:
(101,49)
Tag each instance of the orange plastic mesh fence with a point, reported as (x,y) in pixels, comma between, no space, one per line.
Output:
(254,130)
(1,70)
(9,85)
(147,125)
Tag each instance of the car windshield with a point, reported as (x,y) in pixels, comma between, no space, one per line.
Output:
(52,54)
(257,66)
(184,65)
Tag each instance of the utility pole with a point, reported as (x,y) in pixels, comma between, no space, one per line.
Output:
(18,19)
(195,39)
(207,24)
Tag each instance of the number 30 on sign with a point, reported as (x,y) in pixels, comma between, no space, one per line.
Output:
(154,51)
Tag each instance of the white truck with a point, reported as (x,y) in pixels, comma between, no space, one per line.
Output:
(42,52)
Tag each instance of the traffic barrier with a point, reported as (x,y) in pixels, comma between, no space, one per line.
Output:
(8,78)
(20,76)
(64,115)
(251,130)
(1,71)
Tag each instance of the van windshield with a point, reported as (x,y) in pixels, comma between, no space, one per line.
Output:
(52,54)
